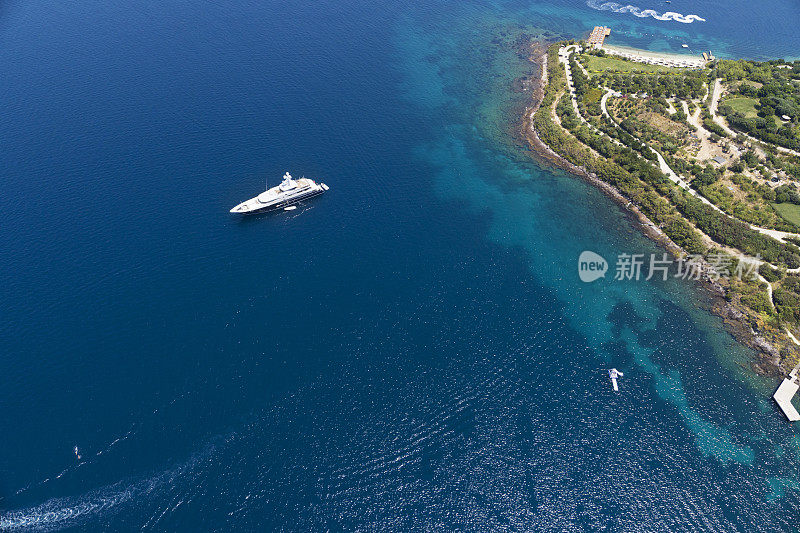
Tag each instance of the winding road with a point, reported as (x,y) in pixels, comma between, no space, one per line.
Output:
(715,96)
(563,57)
(673,176)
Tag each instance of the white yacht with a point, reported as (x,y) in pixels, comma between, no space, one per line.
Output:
(289,192)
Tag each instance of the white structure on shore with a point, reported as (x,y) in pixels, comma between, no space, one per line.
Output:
(783,396)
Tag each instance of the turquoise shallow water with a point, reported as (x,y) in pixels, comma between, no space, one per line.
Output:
(413,350)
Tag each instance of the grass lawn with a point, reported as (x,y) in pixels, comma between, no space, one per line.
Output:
(599,64)
(744,105)
(790,212)
(752,83)
(593,95)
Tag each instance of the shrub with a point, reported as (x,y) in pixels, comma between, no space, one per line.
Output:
(771,274)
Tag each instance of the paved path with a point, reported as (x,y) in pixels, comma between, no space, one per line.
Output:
(723,124)
(603,101)
(715,96)
(694,120)
(564,55)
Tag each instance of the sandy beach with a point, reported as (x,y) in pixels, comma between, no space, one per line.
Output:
(653,55)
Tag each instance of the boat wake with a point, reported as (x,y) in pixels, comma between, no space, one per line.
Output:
(66,512)
(643,13)
(61,513)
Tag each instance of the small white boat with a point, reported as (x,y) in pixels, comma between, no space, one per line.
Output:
(614,374)
(77,453)
(685,45)
(290,208)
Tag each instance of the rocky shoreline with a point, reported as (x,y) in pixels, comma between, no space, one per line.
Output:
(735,318)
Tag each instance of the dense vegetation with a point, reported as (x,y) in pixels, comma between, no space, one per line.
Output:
(713,127)
(775,85)
(757,207)
(624,165)
(787,299)
(648,120)
(685,85)
(634,78)
(618,156)
(629,184)
(647,186)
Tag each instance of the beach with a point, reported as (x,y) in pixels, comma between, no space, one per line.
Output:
(662,58)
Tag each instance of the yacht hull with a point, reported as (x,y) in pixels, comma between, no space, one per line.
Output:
(288,193)
(280,205)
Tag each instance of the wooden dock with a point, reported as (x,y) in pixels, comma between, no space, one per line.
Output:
(598,36)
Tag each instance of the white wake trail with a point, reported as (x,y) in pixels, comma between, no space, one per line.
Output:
(63,512)
(643,13)
(60,513)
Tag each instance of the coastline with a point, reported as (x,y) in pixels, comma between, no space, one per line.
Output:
(735,318)
(652,55)
(666,59)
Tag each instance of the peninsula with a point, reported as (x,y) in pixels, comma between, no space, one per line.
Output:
(705,152)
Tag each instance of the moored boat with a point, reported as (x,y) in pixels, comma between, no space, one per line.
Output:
(289,192)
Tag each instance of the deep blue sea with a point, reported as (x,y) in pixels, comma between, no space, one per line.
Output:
(411,351)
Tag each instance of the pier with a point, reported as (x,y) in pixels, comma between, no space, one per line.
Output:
(598,36)
(614,374)
(786,391)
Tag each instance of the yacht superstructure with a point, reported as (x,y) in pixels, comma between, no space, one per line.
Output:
(289,192)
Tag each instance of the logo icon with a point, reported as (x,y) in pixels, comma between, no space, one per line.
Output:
(591,266)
